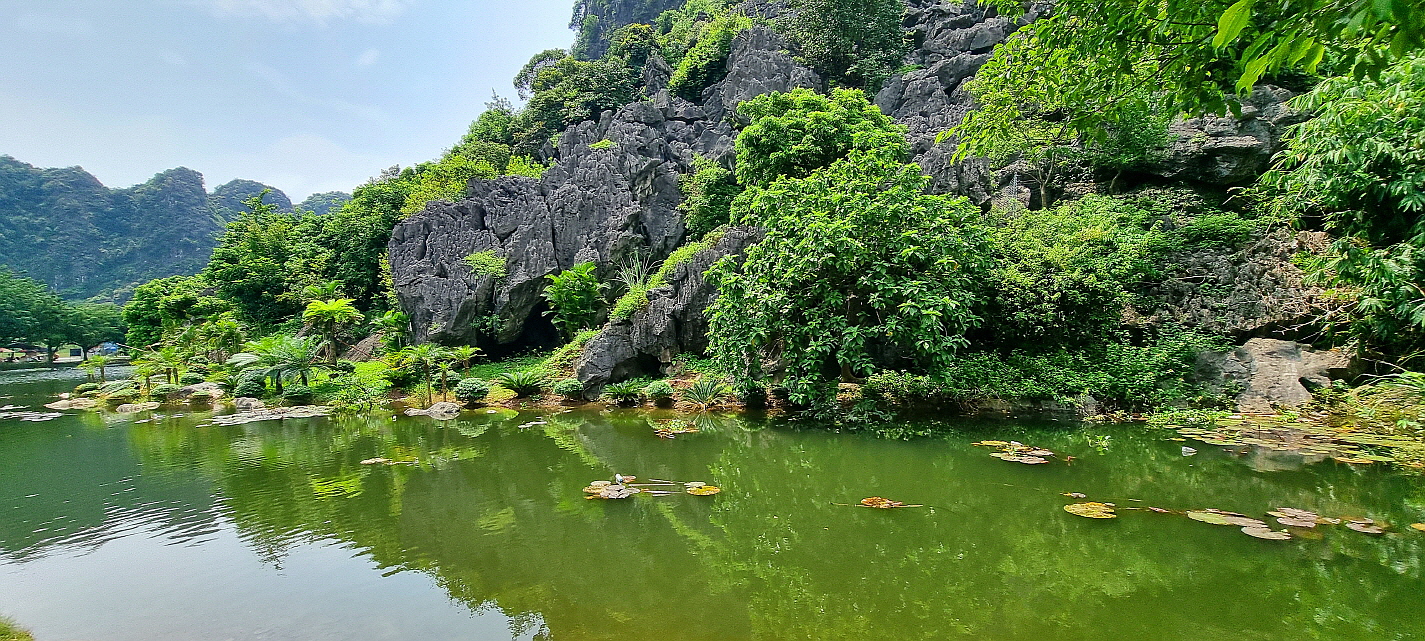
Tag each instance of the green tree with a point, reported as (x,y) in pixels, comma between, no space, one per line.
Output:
(1359,164)
(330,316)
(707,197)
(576,297)
(795,133)
(858,263)
(426,358)
(856,42)
(279,357)
(251,265)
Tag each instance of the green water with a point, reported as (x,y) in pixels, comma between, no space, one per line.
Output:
(117,529)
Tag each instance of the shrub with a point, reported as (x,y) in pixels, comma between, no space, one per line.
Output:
(570,388)
(487,263)
(471,390)
(708,193)
(705,391)
(250,387)
(625,393)
(575,296)
(114,387)
(190,378)
(297,394)
(1217,231)
(85,388)
(161,391)
(122,396)
(522,383)
(659,391)
(603,144)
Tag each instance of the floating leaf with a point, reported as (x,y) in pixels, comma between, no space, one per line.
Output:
(1366,526)
(1244,521)
(992,443)
(1418,526)
(1092,510)
(1296,522)
(1017,458)
(704,490)
(693,484)
(878,502)
(1208,517)
(1267,533)
(1075,495)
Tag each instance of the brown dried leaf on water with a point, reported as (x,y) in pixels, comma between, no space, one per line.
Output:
(1290,522)
(1366,526)
(1075,495)
(607,490)
(879,502)
(1245,521)
(1159,510)
(1017,458)
(1038,451)
(704,490)
(1267,533)
(1092,510)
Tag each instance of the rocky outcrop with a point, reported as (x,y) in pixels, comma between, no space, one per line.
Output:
(246,404)
(1267,374)
(598,203)
(443,411)
(1256,292)
(1227,150)
(672,324)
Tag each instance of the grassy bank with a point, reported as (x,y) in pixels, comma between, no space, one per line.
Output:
(9,631)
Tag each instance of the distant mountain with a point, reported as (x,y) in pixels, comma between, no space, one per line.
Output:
(325,202)
(226,200)
(66,229)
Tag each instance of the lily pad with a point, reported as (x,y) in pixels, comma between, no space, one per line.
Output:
(992,443)
(1290,522)
(1208,517)
(377,461)
(1245,521)
(613,491)
(1418,526)
(1091,510)
(1267,533)
(704,490)
(1366,526)
(1018,458)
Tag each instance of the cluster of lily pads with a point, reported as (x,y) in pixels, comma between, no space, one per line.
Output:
(672,428)
(1016,452)
(624,486)
(33,417)
(1306,439)
(1295,519)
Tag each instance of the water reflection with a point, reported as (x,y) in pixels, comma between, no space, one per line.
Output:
(489,508)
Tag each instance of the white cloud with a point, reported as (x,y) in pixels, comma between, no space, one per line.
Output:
(368,58)
(322,11)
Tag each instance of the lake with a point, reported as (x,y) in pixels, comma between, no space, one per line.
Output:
(160,526)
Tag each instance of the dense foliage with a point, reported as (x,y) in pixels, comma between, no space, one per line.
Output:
(31,314)
(855,42)
(1359,164)
(858,263)
(575,295)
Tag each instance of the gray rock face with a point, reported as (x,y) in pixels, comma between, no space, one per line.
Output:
(1267,374)
(673,323)
(443,411)
(597,205)
(758,64)
(1258,292)
(956,39)
(1226,150)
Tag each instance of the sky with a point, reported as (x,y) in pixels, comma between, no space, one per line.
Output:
(304,95)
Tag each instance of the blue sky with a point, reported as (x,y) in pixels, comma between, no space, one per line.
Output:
(304,95)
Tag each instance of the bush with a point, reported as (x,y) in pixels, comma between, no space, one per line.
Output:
(471,390)
(250,387)
(575,296)
(487,263)
(297,394)
(161,391)
(570,388)
(122,396)
(705,391)
(625,393)
(190,378)
(522,383)
(85,388)
(658,391)
(114,387)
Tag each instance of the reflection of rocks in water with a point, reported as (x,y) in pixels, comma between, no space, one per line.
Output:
(1265,459)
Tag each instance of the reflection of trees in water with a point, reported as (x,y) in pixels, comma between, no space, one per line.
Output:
(493,513)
